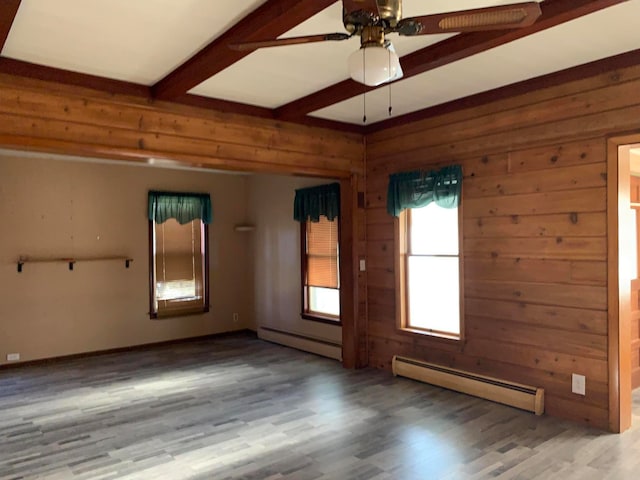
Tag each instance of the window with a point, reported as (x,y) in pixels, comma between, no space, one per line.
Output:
(179,283)
(318,209)
(432,270)
(320,270)
(429,268)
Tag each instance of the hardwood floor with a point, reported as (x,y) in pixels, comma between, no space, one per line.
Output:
(240,408)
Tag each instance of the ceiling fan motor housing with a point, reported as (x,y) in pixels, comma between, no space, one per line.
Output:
(372,36)
(390,11)
(388,15)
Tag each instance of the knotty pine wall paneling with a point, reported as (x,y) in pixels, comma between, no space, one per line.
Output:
(39,115)
(534,236)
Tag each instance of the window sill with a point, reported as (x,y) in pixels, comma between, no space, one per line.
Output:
(450,342)
(178,313)
(321,319)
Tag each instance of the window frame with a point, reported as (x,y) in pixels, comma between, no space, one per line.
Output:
(153,314)
(402,240)
(307,314)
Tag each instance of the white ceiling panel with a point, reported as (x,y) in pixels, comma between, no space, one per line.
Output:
(586,39)
(143,40)
(272,77)
(134,40)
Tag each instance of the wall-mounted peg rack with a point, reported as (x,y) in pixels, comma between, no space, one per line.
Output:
(70,261)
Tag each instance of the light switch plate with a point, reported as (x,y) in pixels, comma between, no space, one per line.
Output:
(578,384)
(363,265)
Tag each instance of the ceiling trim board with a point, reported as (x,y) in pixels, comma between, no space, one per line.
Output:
(270,20)
(67,77)
(554,12)
(598,67)
(8,11)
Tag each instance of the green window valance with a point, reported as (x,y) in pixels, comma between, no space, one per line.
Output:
(312,202)
(184,207)
(420,188)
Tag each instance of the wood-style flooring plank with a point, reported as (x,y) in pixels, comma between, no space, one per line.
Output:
(239,408)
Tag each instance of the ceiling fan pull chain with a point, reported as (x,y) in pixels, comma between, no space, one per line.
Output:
(364,95)
(364,107)
(390,80)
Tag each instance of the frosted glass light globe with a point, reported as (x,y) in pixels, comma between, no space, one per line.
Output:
(373,65)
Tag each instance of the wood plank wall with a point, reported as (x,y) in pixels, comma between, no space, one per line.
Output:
(43,116)
(40,115)
(635,292)
(534,228)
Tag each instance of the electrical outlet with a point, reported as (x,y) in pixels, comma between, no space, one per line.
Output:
(235,318)
(13,357)
(363,265)
(578,384)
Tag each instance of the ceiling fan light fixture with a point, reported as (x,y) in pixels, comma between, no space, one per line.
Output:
(374,65)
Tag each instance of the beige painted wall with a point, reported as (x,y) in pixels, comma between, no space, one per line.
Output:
(276,241)
(57,208)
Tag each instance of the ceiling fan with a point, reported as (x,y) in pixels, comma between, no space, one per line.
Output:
(376,62)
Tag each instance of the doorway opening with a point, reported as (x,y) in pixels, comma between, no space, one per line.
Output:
(623,213)
(633,152)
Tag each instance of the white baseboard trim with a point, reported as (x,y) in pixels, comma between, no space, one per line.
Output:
(302,342)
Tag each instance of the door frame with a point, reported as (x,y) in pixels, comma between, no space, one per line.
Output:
(618,283)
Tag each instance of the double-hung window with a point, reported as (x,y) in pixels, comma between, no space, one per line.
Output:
(317,210)
(178,266)
(432,270)
(320,269)
(430,276)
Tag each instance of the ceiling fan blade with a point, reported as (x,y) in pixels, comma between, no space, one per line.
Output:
(502,17)
(278,42)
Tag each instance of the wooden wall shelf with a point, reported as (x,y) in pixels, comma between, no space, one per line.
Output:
(71,261)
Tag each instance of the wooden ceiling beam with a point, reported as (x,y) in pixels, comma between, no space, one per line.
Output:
(270,20)
(554,12)
(8,11)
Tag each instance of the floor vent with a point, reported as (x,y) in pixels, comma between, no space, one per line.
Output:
(501,391)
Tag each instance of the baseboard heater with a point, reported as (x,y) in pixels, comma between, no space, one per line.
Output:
(305,343)
(501,391)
